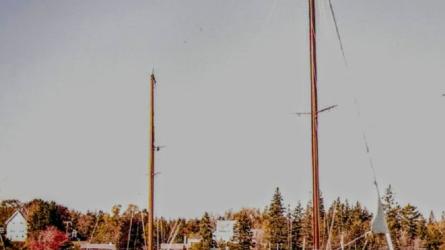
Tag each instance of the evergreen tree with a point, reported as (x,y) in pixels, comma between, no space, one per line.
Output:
(7,208)
(38,215)
(431,218)
(297,221)
(42,214)
(306,226)
(421,228)
(392,210)
(277,222)
(84,224)
(409,223)
(434,236)
(191,227)
(359,219)
(109,229)
(206,232)
(129,229)
(243,235)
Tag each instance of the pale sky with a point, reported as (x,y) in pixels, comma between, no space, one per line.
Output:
(74,102)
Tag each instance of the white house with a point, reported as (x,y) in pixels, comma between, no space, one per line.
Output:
(16,227)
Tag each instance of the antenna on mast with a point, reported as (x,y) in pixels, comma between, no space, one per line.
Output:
(320,111)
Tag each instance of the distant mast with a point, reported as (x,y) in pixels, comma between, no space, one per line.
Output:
(314,127)
(151,164)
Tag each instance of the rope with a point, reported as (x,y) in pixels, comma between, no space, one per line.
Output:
(365,140)
(367,149)
(337,30)
(143,230)
(366,243)
(129,230)
(354,240)
(331,228)
(136,240)
(94,228)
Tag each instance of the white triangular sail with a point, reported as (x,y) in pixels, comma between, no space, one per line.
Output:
(378,225)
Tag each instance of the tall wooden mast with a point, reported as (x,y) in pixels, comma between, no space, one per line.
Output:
(314,127)
(151,166)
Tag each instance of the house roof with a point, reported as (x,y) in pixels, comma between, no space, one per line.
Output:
(17,211)
(174,246)
(97,246)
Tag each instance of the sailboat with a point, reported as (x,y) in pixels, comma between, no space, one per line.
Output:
(378,225)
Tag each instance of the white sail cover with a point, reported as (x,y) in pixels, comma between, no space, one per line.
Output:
(378,225)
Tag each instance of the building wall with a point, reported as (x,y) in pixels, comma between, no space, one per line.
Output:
(16,230)
(224,230)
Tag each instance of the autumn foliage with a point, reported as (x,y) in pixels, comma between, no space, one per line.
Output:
(49,239)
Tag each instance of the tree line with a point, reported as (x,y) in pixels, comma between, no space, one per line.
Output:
(277,226)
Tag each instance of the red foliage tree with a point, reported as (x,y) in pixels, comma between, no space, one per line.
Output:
(49,239)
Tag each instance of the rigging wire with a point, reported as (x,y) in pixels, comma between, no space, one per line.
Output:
(94,228)
(136,238)
(331,228)
(129,230)
(354,240)
(143,229)
(337,30)
(356,103)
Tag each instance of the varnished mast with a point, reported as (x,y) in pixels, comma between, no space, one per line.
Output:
(151,165)
(314,127)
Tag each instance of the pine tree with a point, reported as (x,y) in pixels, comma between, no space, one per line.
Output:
(108,230)
(277,222)
(243,234)
(421,228)
(306,226)
(434,236)
(431,218)
(409,222)
(297,221)
(392,210)
(206,232)
(131,233)
(359,223)
(42,214)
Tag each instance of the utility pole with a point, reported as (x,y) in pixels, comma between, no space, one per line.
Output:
(314,126)
(151,166)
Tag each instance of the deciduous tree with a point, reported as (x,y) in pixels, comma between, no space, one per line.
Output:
(49,239)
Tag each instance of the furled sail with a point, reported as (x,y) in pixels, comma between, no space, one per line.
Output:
(378,225)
